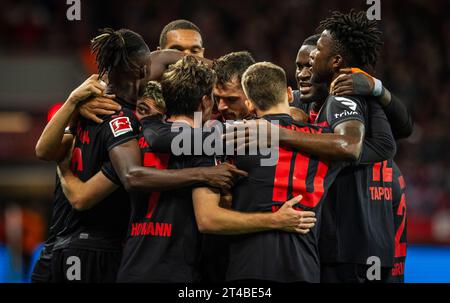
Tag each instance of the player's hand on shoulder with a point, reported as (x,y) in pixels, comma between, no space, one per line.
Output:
(94,108)
(92,86)
(291,220)
(353,81)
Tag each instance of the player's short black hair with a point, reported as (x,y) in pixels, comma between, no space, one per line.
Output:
(265,84)
(175,25)
(118,49)
(232,65)
(358,38)
(311,40)
(184,84)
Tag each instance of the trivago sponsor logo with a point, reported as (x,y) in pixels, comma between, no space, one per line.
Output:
(351,105)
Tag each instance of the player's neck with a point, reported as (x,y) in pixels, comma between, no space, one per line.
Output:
(280,108)
(127,92)
(335,75)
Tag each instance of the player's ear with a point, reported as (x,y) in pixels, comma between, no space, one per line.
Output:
(290,94)
(249,105)
(337,62)
(158,48)
(206,103)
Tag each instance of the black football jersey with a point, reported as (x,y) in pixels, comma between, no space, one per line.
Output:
(103,226)
(163,243)
(354,227)
(277,255)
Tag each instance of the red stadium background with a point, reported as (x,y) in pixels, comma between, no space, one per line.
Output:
(43,56)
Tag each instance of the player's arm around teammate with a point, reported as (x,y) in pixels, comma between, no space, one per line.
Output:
(213,219)
(56,145)
(83,195)
(354,81)
(53,141)
(345,144)
(53,145)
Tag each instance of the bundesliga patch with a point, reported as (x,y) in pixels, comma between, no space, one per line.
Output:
(120,126)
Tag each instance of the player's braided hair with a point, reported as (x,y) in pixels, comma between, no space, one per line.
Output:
(358,38)
(120,48)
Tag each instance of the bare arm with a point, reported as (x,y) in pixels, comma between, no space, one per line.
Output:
(82,195)
(161,59)
(50,145)
(95,108)
(357,82)
(226,199)
(126,159)
(211,218)
(345,144)
(85,195)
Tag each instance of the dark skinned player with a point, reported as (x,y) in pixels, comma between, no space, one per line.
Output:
(353,227)
(184,36)
(177,38)
(310,98)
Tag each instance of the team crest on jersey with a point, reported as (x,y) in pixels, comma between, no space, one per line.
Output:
(120,126)
(347,102)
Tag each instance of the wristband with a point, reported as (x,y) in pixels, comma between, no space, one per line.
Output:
(378,88)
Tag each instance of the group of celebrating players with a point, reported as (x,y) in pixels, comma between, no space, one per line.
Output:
(128,208)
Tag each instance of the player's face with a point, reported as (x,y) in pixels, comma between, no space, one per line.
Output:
(309,92)
(230,99)
(185,40)
(322,59)
(147,107)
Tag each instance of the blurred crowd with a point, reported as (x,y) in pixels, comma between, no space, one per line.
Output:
(414,64)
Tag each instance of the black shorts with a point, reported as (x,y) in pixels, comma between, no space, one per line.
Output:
(74,265)
(42,270)
(349,273)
